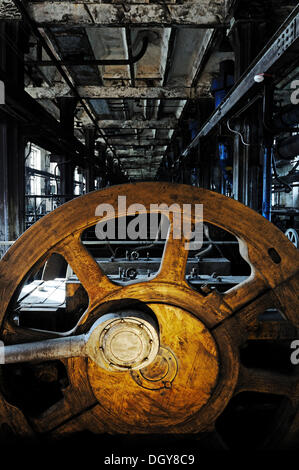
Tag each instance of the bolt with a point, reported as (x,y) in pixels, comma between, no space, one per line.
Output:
(138,380)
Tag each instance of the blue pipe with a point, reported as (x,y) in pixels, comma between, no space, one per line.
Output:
(193,128)
(225,162)
(267,182)
(219,94)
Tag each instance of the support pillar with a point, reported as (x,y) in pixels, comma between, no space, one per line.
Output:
(90,136)
(12,145)
(12,182)
(67,108)
(248,39)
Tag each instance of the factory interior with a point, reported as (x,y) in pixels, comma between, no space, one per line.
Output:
(147,341)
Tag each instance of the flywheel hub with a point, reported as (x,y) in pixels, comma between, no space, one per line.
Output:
(127,340)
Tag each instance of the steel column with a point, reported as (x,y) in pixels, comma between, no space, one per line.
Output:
(267,182)
(90,135)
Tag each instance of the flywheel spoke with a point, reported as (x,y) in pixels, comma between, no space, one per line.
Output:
(290,438)
(249,313)
(173,264)
(213,441)
(14,419)
(259,300)
(78,398)
(246,293)
(93,279)
(266,381)
(242,319)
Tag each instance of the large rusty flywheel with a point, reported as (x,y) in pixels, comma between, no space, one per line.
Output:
(152,357)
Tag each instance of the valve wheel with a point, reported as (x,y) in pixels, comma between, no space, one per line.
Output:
(196,370)
(293,236)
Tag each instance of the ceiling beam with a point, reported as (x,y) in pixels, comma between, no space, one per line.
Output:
(201,14)
(142,158)
(125,142)
(140,153)
(167,123)
(138,161)
(102,92)
(170,51)
(198,67)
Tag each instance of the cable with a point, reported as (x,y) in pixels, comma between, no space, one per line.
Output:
(204,251)
(207,234)
(238,133)
(111,249)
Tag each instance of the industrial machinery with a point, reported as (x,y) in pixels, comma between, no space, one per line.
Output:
(151,338)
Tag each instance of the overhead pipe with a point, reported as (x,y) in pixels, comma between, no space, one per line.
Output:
(73,62)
